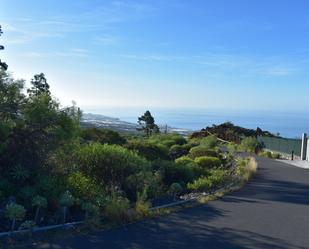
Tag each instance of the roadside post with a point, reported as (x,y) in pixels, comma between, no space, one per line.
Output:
(303,147)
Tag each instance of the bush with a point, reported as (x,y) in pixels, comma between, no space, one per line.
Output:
(84,188)
(116,208)
(28,224)
(175,189)
(199,151)
(233,147)
(172,172)
(103,136)
(142,206)
(177,151)
(270,154)
(109,165)
(138,182)
(246,168)
(15,212)
(168,140)
(91,210)
(250,144)
(66,199)
(207,162)
(184,160)
(215,179)
(209,142)
(201,184)
(148,150)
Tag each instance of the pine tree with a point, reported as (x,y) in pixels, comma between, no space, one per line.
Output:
(3,65)
(148,124)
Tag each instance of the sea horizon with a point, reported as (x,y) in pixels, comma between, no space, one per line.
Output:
(288,124)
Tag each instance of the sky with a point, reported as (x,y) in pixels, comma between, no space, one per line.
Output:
(228,54)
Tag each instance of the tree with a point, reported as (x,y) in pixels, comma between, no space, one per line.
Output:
(39,85)
(66,201)
(15,212)
(3,65)
(38,202)
(148,124)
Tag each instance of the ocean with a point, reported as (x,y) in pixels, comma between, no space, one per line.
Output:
(287,124)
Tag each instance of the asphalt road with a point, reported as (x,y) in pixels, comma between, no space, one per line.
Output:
(270,212)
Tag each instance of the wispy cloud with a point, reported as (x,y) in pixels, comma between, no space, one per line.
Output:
(107,40)
(244,65)
(154,57)
(281,71)
(74,52)
(25,30)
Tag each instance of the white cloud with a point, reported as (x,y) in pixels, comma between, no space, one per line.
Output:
(280,71)
(74,52)
(107,40)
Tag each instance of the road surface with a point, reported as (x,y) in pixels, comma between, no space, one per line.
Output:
(270,212)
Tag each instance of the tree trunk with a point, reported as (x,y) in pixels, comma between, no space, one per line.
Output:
(36,215)
(13,224)
(64,214)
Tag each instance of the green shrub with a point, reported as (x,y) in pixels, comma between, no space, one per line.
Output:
(276,155)
(214,180)
(168,143)
(177,151)
(233,147)
(84,188)
(246,168)
(270,154)
(15,212)
(27,192)
(207,162)
(38,202)
(175,189)
(209,142)
(109,165)
(6,187)
(136,183)
(184,160)
(103,136)
(51,185)
(148,150)
(91,210)
(28,224)
(189,162)
(250,144)
(142,206)
(66,199)
(172,172)
(202,183)
(116,208)
(199,151)
(168,139)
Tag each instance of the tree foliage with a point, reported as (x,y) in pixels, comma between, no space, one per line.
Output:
(3,65)
(148,123)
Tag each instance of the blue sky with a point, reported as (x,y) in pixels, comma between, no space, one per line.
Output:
(232,54)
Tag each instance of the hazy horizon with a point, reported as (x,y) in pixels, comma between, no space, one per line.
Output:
(287,123)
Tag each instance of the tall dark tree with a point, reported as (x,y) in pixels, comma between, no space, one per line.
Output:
(148,124)
(39,85)
(3,65)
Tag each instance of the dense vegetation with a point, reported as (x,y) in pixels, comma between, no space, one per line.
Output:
(230,132)
(53,171)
